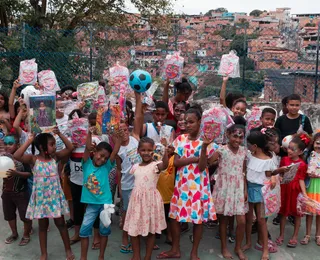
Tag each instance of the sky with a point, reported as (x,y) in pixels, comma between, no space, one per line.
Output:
(197,6)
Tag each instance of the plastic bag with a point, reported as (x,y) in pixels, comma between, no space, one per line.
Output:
(48,81)
(172,68)
(229,65)
(214,123)
(314,165)
(308,206)
(88,90)
(253,120)
(105,214)
(28,72)
(272,198)
(111,118)
(119,78)
(79,130)
(68,106)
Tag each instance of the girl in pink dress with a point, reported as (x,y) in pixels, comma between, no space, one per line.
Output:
(192,201)
(145,214)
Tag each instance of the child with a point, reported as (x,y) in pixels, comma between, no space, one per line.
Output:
(191,201)
(166,186)
(96,189)
(259,166)
(178,109)
(155,129)
(313,190)
(15,194)
(239,108)
(293,122)
(290,191)
(268,117)
(145,215)
(47,198)
(230,192)
(4,118)
(181,125)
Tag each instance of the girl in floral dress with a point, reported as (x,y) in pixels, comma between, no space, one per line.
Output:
(47,199)
(191,201)
(230,193)
(145,214)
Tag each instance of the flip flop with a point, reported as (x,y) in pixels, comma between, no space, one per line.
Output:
(11,239)
(24,241)
(74,241)
(292,243)
(164,255)
(156,247)
(279,241)
(126,249)
(95,246)
(271,248)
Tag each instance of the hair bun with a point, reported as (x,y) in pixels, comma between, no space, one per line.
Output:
(183,80)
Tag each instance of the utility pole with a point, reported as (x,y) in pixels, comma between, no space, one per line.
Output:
(244,58)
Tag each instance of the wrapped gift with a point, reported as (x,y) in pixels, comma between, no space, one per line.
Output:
(172,68)
(289,175)
(119,78)
(79,130)
(214,123)
(272,198)
(28,72)
(307,206)
(229,65)
(88,90)
(253,120)
(314,165)
(48,81)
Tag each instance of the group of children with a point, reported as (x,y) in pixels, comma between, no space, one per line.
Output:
(158,193)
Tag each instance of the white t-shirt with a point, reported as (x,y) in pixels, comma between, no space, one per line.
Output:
(257,168)
(76,173)
(129,157)
(153,133)
(62,124)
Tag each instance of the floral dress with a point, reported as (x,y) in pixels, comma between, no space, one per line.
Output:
(228,193)
(192,200)
(145,212)
(47,199)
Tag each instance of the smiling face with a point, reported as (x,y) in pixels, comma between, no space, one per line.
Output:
(28,76)
(236,138)
(100,157)
(293,151)
(182,122)
(268,119)
(146,151)
(239,109)
(49,83)
(192,124)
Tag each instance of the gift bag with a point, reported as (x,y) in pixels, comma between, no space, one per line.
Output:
(253,120)
(119,78)
(172,68)
(229,65)
(105,214)
(308,206)
(314,165)
(79,130)
(101,99)
(48,81)
(214,122)
(88,90)
(289,175)
(28,72)
(272,198)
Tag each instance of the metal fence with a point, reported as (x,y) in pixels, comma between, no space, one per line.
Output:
(278,61)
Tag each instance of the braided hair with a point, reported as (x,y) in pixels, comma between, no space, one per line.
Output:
(41,142)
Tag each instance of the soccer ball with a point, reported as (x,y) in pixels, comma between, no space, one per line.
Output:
(140,81)
(286,141)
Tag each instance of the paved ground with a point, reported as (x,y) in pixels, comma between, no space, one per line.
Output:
(209,248)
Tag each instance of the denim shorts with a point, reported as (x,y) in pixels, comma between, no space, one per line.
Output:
(92,212)
(126,197)
(255,193)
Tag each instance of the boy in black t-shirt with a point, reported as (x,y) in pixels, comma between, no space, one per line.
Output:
(268,117)
(293,122)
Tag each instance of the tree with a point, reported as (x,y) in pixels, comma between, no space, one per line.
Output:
(256,13)
(221,10)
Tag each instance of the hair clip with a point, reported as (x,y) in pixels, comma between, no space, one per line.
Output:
(263,130)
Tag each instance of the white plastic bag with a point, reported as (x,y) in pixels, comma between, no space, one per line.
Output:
(48,81)
(172,68)
(229,65)
(105,214)
(28,72)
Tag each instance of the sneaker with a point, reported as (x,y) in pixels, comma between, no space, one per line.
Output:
(70,224)
(291,220)
(276,221)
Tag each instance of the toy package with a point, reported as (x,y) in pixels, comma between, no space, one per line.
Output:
(214,123)
(307,206)
(88,90)
(314,165)
(79,130)
(253,120)
(101,99)
(48,81)
(289,175)
(229,65)
(158,152)
(119,78)
(28,72)
(172,68)
(272,198)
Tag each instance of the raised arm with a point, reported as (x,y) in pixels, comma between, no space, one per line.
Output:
(165,95)
(20,155)
(87,150)
(12,96)
(117,144)
(17,122)
(165,161)
(138,117)
(223,91)
(119,174)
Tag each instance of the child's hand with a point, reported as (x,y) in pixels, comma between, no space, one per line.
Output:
(16,84)
(56,130)
(273,184)
(82,105)
(92,129)
(12,172)
(93,146)
(207,141)
(164,142)
(31,137)
(226,78)
(36,85)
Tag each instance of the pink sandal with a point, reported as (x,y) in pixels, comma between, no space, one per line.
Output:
(318,240)
(271,248)
(279,241)
(305,240)
(292,243)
